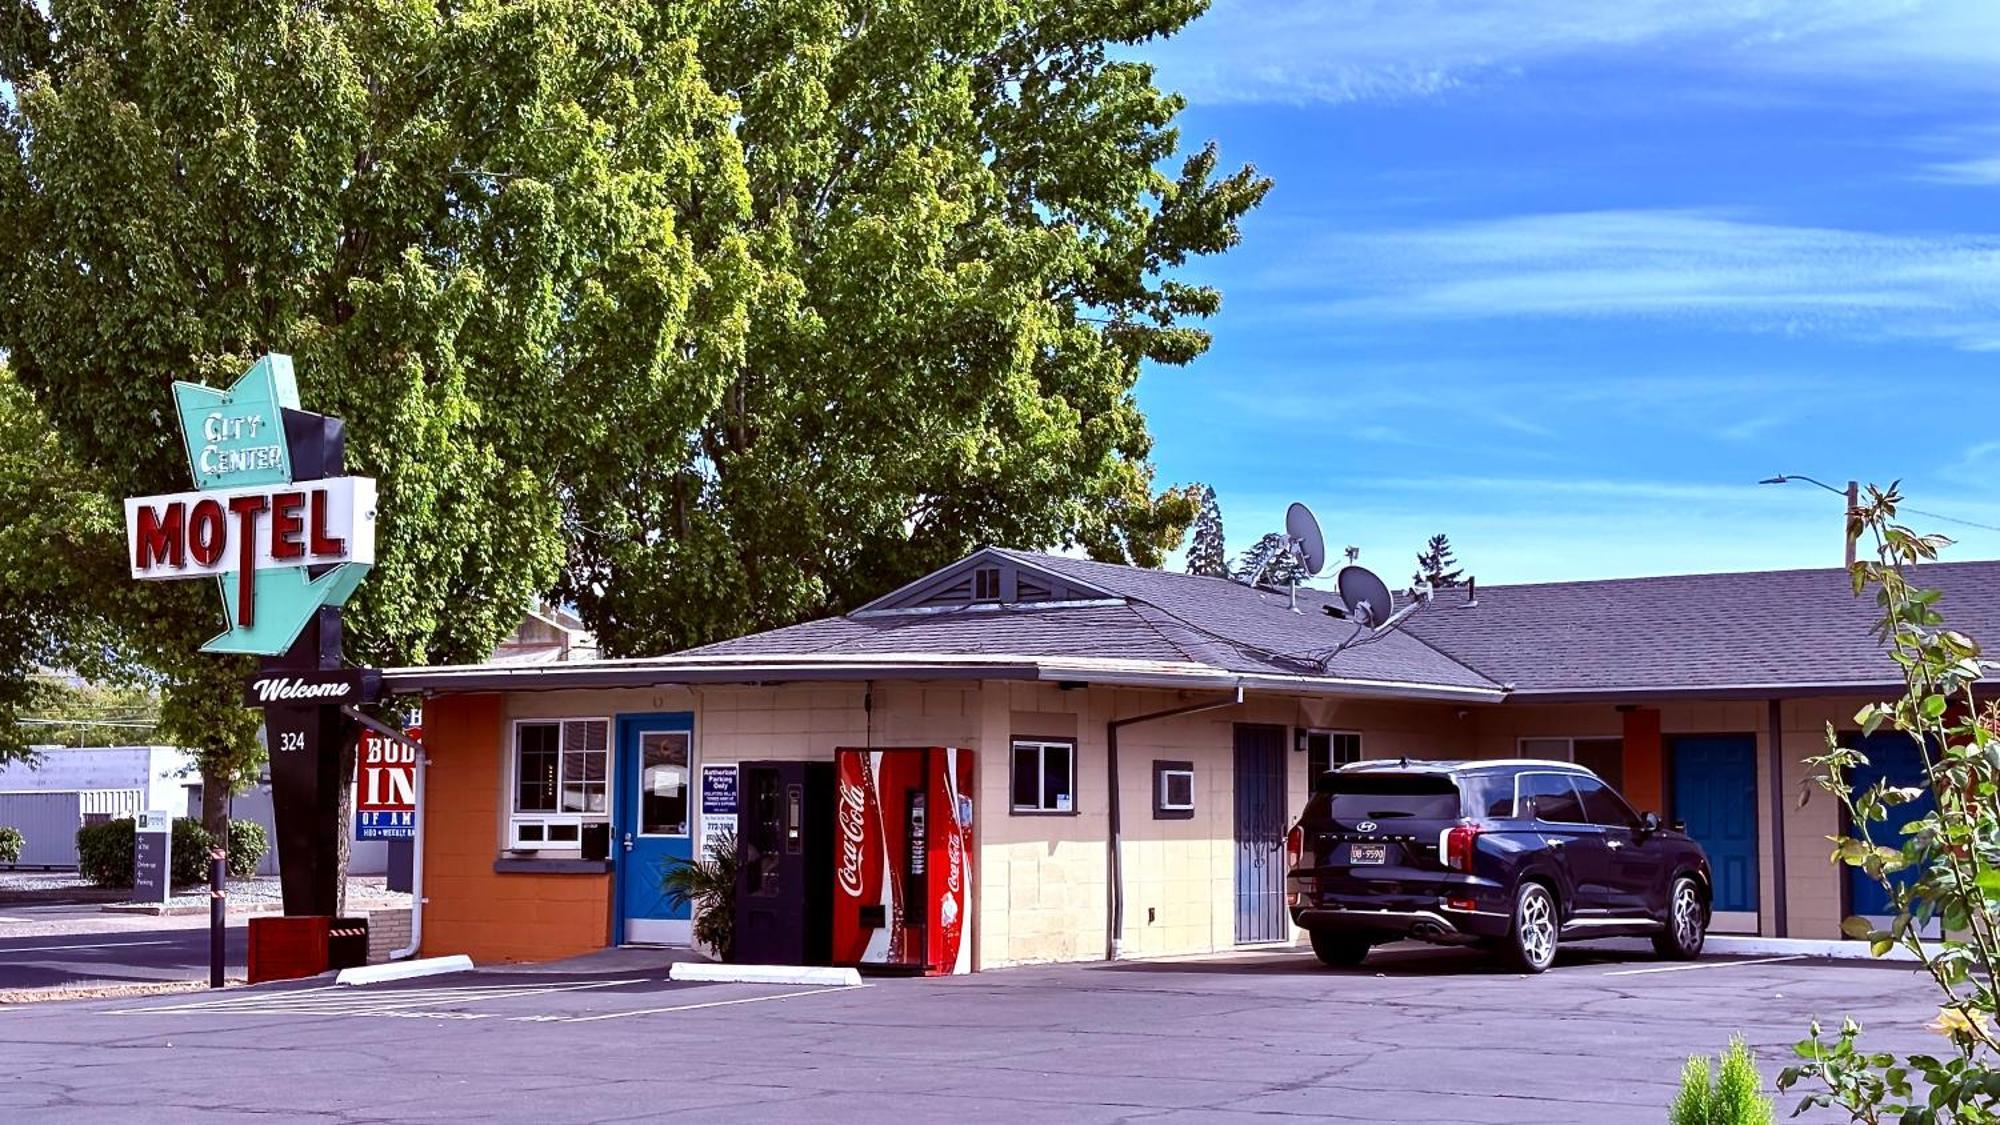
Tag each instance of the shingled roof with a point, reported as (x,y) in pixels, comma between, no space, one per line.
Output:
(1749,634)
(1756,633)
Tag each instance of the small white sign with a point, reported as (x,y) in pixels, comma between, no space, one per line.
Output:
(155,820)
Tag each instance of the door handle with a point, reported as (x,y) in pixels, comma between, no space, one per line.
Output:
(1556,844)
(1614,845)
(628,841)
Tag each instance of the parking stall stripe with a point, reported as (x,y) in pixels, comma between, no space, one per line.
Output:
(78,948)
(708,1004)
(1705,965)
(340,1000)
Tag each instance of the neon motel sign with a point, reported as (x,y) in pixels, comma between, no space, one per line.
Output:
(278,549)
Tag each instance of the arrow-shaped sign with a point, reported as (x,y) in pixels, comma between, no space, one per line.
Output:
(237,437)
(286,600)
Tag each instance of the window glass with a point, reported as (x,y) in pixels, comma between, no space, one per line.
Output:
(539,752)
(986,584)
(1056,778)
(1553,797)
(1604,757)
(663,783)
(1356,797)
(584,766)
(1489,795)
(1546,749)
(1603,806)
(1044,777)
(1027,775)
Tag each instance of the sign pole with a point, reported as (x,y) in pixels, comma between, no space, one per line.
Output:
(218,912)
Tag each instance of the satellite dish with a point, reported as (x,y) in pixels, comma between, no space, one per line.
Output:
(1302,528)
(1365,595)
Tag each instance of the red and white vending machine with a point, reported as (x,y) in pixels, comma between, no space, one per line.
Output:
(902,870)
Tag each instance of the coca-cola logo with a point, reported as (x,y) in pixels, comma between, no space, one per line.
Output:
(853,818)
(955,850)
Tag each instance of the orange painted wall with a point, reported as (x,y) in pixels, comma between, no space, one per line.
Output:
(1645,773)
(470,908)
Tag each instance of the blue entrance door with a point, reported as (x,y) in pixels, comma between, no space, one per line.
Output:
(1715,797)
(1260,834)
(654,822)
(1894,756)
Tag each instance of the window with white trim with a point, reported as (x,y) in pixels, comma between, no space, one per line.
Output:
(562,779)
(1326,749)
(1044,776)
(1604,757)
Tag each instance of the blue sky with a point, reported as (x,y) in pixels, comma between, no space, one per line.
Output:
(1565,279)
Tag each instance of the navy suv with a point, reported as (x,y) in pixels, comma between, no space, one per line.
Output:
(1513,855)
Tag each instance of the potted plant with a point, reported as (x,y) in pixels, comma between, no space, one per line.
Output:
(707,883)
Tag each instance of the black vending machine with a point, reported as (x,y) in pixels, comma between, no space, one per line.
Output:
(784,863)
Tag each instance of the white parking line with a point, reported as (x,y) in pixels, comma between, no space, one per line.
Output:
(1704,965)
(334,1000)
(707,1004)
(78,948)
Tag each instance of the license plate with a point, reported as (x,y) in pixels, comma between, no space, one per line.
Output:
(1367,853)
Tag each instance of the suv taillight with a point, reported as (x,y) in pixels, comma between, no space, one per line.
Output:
(1459,840)
(1301,888)
(1295,846)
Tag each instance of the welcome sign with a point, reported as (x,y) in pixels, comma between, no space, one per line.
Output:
(280,539)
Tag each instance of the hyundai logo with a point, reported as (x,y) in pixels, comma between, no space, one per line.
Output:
(1366,826)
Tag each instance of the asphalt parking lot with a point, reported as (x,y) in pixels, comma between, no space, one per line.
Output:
(1416,1035)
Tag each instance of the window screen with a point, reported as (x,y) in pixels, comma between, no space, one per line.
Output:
(1327,749)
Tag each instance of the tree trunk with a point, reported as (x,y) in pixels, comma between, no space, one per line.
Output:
(344,830)
(215,789)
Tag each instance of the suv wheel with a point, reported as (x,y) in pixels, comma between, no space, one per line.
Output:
(1686,932)
(1339,950)
(1531,945)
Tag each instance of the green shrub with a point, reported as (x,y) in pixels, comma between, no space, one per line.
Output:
(1732,1095)
(104,852)
(247,845)
(11,843)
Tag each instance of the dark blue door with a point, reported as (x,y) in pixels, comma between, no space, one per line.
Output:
(1894,756)
(1260,834)
(654,818)
(1715,796)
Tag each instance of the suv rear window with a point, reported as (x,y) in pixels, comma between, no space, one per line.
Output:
(1367,796)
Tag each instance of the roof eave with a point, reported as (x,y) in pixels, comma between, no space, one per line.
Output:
(1647,693)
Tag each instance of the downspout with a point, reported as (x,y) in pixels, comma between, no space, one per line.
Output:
(1774,725)
(416,845)
(1114,940)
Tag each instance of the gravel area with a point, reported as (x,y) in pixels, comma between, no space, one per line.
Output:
(42,882)
(364,892)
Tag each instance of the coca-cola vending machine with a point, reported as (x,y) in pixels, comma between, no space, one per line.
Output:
(902,894)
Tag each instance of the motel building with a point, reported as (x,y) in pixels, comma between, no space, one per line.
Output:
(1141,741)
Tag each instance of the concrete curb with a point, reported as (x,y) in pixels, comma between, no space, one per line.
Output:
(1800,947)
(763,974)
(405,970)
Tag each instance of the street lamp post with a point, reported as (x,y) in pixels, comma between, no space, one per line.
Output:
(1853,494)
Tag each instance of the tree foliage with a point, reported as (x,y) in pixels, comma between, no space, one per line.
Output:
(1279,565)
(1206,552)
(1942,869)
(496,237)
(966,237)
(1437,567)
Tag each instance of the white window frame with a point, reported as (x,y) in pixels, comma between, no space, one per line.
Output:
(1165,802)
(568,823)
(1569,742)
(1360,748)
(692,783)
(1041,746)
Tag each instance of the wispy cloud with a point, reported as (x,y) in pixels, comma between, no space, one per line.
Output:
(1348,50)
(1690,264)
(1979,170)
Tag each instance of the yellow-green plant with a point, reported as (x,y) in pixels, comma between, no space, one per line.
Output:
(1729,1094)
(1943,873)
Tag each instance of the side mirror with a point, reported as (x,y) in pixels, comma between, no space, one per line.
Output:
(1649,823)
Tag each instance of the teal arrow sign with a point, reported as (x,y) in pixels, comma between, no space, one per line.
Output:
(237,437)
(286,600)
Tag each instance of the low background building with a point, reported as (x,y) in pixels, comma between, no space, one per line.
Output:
(1145,739)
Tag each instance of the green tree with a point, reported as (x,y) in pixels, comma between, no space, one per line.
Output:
(1206,551)
(1436,566)
(1280,567)
(968,238)
(502,239)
